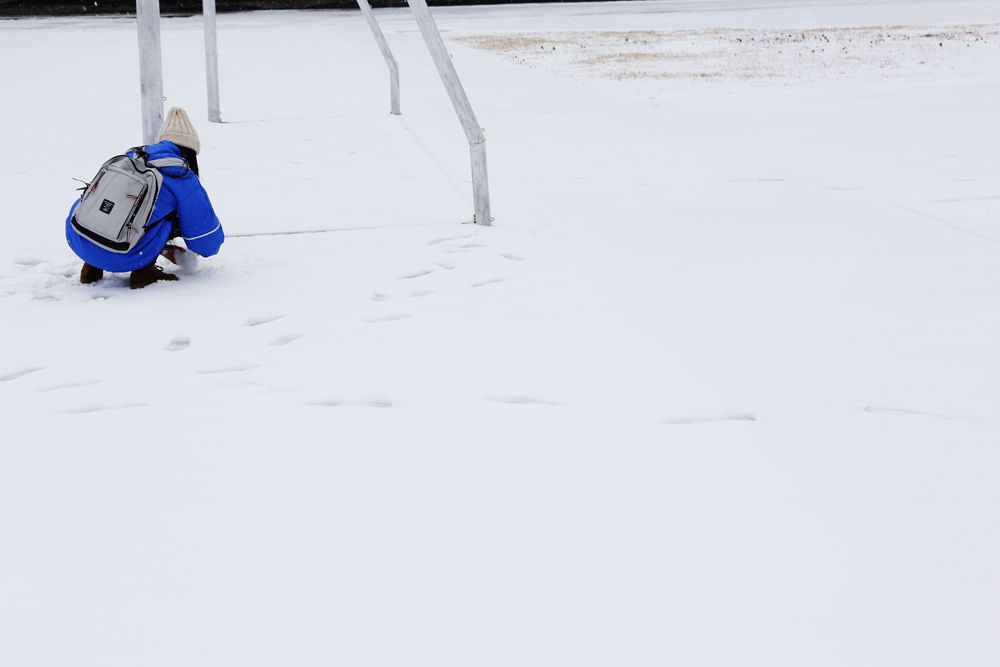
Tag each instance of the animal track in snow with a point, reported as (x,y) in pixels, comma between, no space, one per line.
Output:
(445,264)
(512,257)
(177,344)
(69,385)
(240,368)
(416,294)
(20,373)
(708,419)
(381,296)
(521,400)
(286,339)
(416,274)
(257,321)
(375,402)
(387,318)
(488,281)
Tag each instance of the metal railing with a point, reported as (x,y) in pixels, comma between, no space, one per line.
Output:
(151,82)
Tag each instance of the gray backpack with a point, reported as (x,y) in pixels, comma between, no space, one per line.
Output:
(115,207)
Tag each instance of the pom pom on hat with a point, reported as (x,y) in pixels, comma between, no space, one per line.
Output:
(178,128)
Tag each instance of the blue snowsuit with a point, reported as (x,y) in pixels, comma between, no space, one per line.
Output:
(182,193)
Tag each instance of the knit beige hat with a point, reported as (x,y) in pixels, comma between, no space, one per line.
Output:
(178,129)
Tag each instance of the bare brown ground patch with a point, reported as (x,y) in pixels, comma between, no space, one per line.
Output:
(515,42)
(626,58)
(747,54)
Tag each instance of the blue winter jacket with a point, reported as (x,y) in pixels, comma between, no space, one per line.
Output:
(181,193)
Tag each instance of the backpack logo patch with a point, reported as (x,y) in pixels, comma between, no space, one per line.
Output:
(106,206)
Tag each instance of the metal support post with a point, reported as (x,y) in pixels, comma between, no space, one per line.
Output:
(383,46)
(211,61)
(459,100)
(150,68)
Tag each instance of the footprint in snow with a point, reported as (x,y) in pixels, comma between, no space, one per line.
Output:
(381,296)
(387,318)
(240,368)
(752,179)
(20,373)
(520,400)
(286,339)
(416,274)
(248,384)
(69,385)
(416,294)
(177,344)
(86,409)
(889,410)
(257,321)
(488,281)
(375,402)
(709,419)
(445,239)
(445,264)
(512,257)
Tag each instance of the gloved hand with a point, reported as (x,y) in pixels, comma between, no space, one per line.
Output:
(182,257)
(172,253)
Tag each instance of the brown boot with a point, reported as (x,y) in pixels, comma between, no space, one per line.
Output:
(148,275)
(90,274)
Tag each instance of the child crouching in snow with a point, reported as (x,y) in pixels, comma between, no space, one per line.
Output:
(180,207)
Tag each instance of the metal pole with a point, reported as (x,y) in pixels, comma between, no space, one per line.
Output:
(150,68)
(459,100)
(211,61)
(383,46)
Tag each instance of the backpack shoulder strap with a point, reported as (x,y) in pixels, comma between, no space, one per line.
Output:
(140,151)
(167,162)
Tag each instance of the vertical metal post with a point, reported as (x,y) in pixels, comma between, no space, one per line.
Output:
(211,61)
(459,100)
(383,46)
(150,68)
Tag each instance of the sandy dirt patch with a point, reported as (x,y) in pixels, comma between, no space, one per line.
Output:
(755,55)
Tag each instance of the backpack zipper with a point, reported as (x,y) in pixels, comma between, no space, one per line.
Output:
(137,201)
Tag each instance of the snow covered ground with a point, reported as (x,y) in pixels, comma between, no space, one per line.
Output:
(720,387)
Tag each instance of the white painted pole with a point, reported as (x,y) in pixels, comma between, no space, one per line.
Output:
(459,100)
(211,61)
(150,68)
(383,46)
